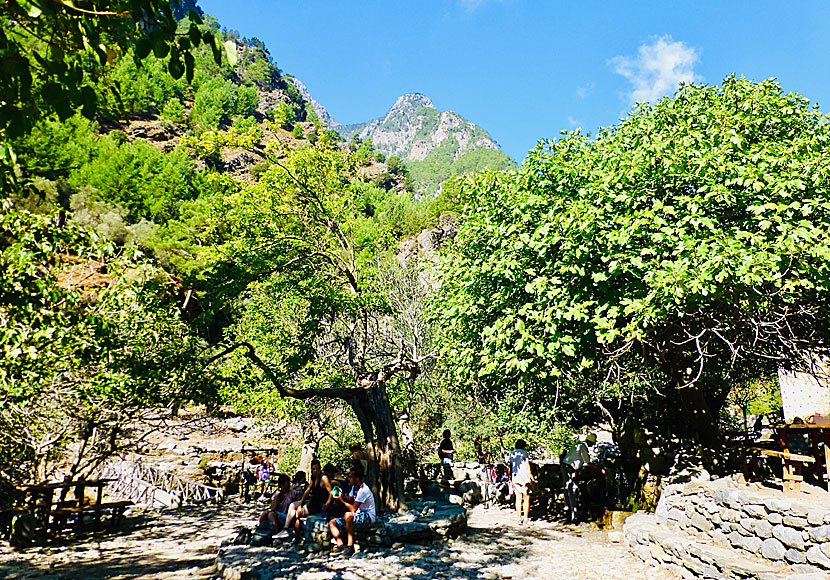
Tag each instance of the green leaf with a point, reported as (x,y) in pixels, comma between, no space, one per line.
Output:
(230,52)
(161,49)
(89,101)
(143,48)
(175,68)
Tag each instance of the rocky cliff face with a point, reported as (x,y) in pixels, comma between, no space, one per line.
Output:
(413,128)
(321,111)
(436,145)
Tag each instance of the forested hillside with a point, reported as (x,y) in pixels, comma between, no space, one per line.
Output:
(189,232)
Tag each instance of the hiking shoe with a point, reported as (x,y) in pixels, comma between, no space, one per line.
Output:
(343,550)
(283,534)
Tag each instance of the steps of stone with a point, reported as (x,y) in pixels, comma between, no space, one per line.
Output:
(656,544)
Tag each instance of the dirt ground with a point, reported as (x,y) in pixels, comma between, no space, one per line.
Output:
(183,543)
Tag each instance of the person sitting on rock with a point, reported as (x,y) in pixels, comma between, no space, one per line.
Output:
(314,500)
(334,509)
(281,501)
(299,483)
(361,513)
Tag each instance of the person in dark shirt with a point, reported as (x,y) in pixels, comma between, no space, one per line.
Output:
(446,451)
(313,501)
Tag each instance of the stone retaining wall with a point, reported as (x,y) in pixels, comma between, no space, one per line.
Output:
(780,527)
(657,545)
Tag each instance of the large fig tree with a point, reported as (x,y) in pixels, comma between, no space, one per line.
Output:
(684,244)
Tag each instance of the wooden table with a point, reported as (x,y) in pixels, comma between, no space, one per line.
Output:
(52,513)
(819,446)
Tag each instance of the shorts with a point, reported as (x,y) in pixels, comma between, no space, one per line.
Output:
(281,517)
(361,520)
(521,488)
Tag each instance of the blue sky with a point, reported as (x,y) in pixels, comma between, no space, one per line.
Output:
(526,70)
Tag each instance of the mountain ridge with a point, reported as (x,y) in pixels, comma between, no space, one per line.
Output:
(435,145)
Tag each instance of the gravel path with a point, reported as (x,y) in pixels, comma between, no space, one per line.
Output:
(184,543)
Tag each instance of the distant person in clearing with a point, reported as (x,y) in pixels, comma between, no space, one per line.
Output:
(359,456)
(360,504)
(446,450)
(281,502)
(522,477)
(263,475)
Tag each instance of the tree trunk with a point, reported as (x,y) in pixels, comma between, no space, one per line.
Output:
(311,443)
(699,415)
(370,403)
(378,425)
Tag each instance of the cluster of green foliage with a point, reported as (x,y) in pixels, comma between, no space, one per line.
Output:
(440,165)
(90,347)
(52,54)
(678,248)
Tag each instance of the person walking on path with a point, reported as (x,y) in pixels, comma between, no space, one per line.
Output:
(572,463)
(522,478)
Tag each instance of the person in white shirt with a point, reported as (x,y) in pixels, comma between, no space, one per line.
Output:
(572,463)
(360,506)
(522,478)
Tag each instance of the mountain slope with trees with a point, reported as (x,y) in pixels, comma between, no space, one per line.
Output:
(435,145)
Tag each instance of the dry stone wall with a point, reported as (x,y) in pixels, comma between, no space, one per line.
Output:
(791,528)
(725,529)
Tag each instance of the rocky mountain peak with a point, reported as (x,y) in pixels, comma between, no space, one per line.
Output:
(414,127)
(319,109)
(411,101)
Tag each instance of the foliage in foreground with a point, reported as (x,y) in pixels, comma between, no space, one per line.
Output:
(93,346)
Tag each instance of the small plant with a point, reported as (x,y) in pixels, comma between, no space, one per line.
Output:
(174,112)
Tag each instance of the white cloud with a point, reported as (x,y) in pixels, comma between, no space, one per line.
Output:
(574,123)
(585,90)
(658,68)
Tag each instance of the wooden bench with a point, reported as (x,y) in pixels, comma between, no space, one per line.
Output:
(61,515)
(792,463)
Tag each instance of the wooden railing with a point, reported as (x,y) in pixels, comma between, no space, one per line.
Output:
(149,485)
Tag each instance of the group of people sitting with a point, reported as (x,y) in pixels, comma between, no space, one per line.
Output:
(347,506)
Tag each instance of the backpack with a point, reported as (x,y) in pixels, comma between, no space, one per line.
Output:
(263,534)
